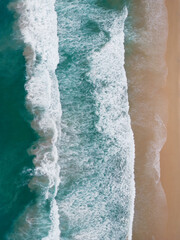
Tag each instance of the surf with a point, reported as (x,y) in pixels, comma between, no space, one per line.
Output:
(37,26)
(96,195)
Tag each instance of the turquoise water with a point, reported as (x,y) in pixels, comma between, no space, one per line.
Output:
(16,134)
(67,147)
(96,159)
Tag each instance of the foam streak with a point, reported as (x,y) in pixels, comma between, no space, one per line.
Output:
(38,27)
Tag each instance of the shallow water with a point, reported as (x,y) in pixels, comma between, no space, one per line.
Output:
(96,153)
(145,44)
(67,147)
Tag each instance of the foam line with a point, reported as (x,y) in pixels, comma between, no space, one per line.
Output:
(38,27)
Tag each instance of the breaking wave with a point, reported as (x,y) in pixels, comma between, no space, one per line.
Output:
(37,24)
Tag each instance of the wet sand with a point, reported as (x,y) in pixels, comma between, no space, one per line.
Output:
(170,155)
(146,73)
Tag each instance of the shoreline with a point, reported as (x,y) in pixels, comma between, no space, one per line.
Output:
(146,73)
(170,154)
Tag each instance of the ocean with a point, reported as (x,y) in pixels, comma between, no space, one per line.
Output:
(83,119)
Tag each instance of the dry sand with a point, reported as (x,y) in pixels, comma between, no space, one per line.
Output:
(170,155)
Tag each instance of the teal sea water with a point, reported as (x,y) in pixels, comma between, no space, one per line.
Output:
(96,194)
(66,144)
(16,134)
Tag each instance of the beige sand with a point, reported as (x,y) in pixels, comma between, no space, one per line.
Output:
(170,156)
(146,82)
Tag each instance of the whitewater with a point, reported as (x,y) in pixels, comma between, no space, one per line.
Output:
(82,179)
(96,196)
(91,97)
(37,23)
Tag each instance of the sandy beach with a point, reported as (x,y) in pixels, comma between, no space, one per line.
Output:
(170,155)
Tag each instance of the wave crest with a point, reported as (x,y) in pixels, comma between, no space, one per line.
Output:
(37,22)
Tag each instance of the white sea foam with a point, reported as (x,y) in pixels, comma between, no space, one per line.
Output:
(54,233)
(109,78)
(98,154)
(38,27)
